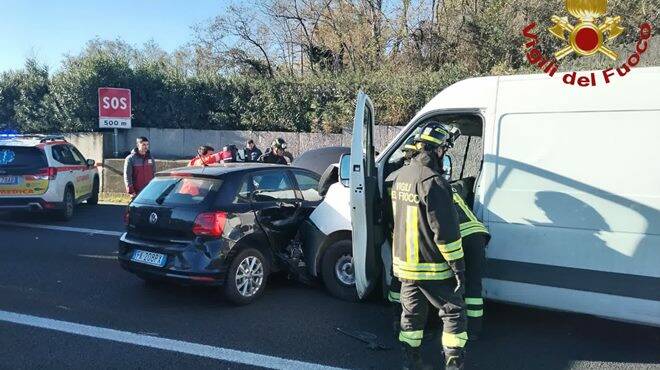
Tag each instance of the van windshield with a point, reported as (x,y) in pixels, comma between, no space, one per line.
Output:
(178,191)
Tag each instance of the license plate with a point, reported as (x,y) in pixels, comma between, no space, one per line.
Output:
(149,258)
(8,180)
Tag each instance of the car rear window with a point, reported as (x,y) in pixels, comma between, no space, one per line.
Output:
(16,157)
(178,190)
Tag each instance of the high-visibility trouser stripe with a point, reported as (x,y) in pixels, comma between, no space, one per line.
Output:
(474,301)
(475,306)
(394,297)
(474,313)
(454,340)
(413,338)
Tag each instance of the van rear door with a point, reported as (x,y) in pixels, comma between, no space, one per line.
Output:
(364,190)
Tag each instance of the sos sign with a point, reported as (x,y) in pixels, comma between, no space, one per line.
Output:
(114,108)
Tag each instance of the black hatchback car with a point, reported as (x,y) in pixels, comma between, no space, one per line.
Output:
(219,225)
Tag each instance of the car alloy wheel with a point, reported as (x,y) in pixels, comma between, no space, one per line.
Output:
(68,204)
(249,276)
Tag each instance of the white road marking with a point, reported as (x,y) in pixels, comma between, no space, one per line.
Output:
(63,228)
(98,256)
(202,350)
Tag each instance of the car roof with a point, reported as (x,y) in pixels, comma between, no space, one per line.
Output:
(31,140)
(220,169)
(318,160)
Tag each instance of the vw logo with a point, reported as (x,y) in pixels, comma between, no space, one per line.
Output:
(153,218)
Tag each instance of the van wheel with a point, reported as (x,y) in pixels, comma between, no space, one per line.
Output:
(337,271)
(247,277)
(94,199)
(68,205)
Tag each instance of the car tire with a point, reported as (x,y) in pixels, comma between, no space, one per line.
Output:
(94,199)
(68,205)
(337,271)
(254,268)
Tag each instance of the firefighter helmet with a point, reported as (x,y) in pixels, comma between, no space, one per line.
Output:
(278,143)
(436,134)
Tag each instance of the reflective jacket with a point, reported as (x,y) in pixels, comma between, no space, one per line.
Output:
(469,224)
(426,242)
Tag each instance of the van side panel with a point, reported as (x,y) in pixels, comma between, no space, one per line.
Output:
(574,204)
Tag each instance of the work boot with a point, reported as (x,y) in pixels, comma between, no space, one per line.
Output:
(412,357)
(454,358)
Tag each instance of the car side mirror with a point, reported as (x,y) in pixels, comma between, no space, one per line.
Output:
(345,169)
(446,166)
(90,162)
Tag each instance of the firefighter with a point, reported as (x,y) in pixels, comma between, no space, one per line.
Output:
(475,238)
(276,154)
(427,251)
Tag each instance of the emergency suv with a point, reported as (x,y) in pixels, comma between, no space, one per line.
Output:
(45,173)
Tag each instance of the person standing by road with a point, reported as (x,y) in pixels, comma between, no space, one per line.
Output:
(251,153)
(139,167)
(427,251)
(276,153)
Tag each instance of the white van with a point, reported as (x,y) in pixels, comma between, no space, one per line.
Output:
(566,178)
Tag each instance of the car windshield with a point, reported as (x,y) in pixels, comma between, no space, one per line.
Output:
(178,190)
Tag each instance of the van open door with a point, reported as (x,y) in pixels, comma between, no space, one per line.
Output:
(364,198)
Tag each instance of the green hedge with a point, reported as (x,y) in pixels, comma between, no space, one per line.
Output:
(31,100)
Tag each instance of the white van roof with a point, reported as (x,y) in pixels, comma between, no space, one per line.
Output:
(637,90)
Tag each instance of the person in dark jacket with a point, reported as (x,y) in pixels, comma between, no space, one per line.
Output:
(276,154)
(139,167)
(251,153)
(475,237)
(427,251)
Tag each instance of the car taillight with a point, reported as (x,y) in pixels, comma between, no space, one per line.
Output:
(127,218)
(210,224)
(49,173)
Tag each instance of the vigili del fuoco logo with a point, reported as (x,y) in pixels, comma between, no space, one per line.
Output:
(586,37)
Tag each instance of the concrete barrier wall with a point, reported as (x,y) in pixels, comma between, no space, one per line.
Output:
(183,143)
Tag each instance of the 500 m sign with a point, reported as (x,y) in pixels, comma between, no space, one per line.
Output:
(114,108)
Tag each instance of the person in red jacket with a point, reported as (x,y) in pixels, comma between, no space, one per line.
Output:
(204,157)
(139,167)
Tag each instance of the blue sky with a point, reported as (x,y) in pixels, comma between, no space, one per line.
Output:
(49,29)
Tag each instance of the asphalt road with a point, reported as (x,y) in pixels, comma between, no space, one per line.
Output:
(74,278)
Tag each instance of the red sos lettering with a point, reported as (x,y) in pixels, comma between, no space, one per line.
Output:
(114,102)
